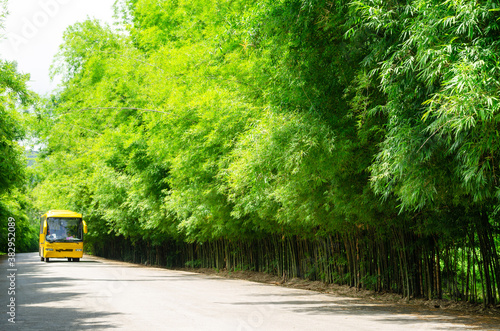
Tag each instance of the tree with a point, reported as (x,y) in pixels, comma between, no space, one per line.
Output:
(13,94)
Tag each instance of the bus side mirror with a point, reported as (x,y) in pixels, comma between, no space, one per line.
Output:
(84,227)
(45,227)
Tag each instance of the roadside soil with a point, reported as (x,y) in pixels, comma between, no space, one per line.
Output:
(459,308)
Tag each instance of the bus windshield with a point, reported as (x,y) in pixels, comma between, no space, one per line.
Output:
(64,229)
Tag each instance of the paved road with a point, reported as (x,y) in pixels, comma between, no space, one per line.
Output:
(97,294)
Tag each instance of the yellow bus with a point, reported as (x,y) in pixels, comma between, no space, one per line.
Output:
(61,235)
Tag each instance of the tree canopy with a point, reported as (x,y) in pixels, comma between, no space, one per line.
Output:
(13,174)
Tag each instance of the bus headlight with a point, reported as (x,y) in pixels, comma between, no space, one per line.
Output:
(78,250)
(49,249)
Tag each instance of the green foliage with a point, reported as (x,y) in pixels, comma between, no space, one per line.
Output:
(13,204)
(82,49)
(12,90)
(441,78)
(193,264)
(281,170)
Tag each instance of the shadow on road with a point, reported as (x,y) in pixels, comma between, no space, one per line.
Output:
(66,261)
(44,302)
(398,316)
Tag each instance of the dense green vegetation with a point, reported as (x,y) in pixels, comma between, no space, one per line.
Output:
(13,201)
(353,142)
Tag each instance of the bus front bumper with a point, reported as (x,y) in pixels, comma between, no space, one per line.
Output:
(63,250)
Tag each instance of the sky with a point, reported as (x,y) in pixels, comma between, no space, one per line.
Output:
(34,31)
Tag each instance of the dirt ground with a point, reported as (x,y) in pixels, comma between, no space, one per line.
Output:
(460,308)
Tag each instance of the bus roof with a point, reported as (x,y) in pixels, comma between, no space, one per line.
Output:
(62,213)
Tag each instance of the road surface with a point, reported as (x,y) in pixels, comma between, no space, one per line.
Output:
(98,294)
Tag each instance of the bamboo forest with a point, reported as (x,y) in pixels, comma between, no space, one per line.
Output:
(350,142)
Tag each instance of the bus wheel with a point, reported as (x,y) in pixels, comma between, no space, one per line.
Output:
(46,259)
(41,258)
(76,259)
(69,259)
